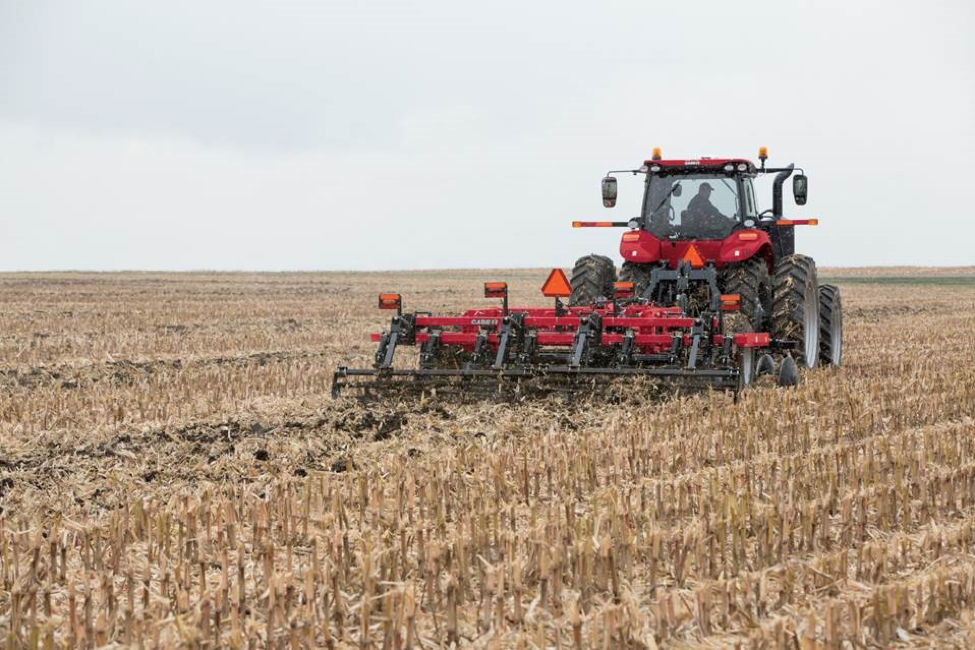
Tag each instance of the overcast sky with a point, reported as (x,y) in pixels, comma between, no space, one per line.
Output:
(384,135)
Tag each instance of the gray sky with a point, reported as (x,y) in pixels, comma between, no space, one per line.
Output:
(379,135)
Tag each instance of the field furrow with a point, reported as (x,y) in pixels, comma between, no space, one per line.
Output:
(174,473)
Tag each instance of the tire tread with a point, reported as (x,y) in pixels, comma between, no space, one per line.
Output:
(830,309)
(792,277)
(592,276)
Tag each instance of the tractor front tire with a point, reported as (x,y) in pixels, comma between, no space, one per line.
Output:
(795,307)
(638,274)
(750,280)
(830,325)
(592,277)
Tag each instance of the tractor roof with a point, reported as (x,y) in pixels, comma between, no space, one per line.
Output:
(703,163)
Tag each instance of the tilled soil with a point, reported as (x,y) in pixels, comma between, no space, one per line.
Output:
(174,473)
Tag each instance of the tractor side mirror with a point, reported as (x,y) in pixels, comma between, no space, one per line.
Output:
(609,192)
(800,188)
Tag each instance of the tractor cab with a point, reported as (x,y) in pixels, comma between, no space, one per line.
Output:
(705,211)
(691,200)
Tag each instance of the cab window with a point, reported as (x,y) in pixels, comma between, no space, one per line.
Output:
(751,208)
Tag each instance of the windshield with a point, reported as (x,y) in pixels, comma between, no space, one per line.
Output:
(691,206)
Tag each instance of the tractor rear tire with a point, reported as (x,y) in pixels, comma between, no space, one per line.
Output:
(750,280)
(592,277)
(638,274)
(830,325)
(795,307)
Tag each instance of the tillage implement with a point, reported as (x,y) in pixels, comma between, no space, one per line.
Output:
(710,293)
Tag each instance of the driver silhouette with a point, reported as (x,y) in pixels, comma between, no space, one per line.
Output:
(700,210)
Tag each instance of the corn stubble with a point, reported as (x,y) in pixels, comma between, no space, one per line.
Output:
(173,474)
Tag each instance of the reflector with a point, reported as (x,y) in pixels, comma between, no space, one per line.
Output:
(797,222)
(557,285)
(622,289)
(730,302)
(600,224)
(693,257)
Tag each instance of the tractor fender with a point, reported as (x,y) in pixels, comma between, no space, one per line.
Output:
(736,248)
(639,246)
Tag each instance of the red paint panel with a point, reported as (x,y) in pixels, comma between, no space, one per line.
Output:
(750,340)
(458,321)
(701,162)
(674,251)
(635,323)
(746,248)
(644,250)
(549,322)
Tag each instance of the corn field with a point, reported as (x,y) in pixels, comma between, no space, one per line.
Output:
(173,473)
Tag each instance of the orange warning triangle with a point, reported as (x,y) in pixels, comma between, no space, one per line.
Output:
(692,256)
(557,285)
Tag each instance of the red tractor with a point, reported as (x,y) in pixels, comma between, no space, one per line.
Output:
(705,212)
(707,280)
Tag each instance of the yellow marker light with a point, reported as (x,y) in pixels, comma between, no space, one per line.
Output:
(631,236)
(577,224)
(748,236)
(656,153)
(762,153)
